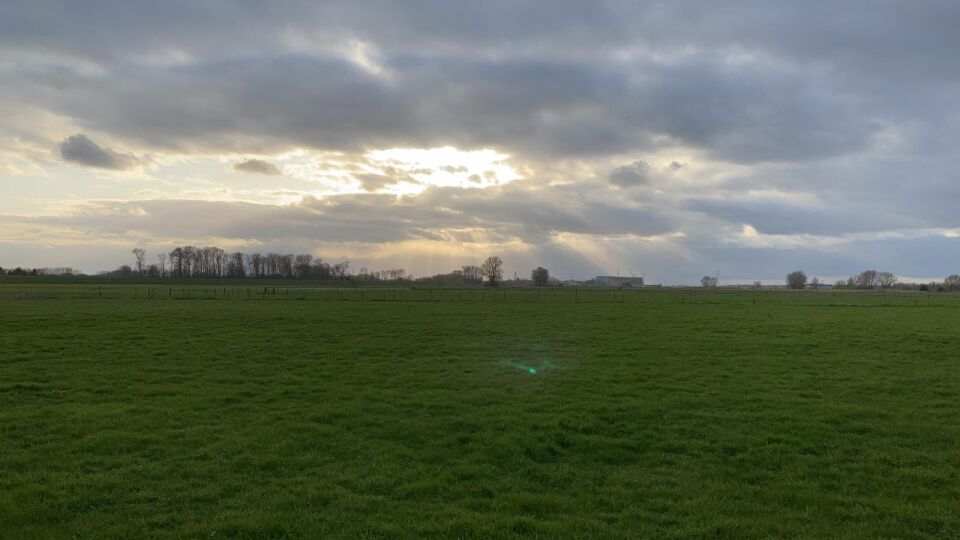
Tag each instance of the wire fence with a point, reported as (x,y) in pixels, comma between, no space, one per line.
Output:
(159,292)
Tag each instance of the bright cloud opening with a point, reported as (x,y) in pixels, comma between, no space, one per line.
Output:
(445,167)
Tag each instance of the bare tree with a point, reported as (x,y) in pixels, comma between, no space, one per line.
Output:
(340,270)
(952,283)
(188,256)
(886,280)
(219,261)
(256,265)
(471,273)
(708,281)
(320,270)
(492,270)
(540,276)
(162,257)
(796,280)
(235,266)
(139,254)
(866,280)
(301,265)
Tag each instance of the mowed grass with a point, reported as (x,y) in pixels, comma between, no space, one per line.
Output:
(130,417)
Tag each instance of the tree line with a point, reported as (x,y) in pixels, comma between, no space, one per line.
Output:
(872,280)
(47,271)
(215,263)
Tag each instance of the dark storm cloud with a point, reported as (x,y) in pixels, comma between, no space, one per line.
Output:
(80,149)
(256,166)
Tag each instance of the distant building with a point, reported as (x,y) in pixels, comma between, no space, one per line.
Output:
(617,281)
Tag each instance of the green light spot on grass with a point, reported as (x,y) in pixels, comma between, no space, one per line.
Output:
(532,371)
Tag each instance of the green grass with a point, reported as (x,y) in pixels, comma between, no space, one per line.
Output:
(665,414)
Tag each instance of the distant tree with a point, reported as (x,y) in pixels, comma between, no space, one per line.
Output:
(255,263)
(235,266)
(708,281)
(815,283)
(540,276)
(189,256)
(886,280)
(301,265)
(796,280)
(162,258)
(492,270)
(471,273)
(866,279)
(176,262)
(952,283)
(340,270)
(320,270)
(139,254)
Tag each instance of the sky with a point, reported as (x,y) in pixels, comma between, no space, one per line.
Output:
(669,139)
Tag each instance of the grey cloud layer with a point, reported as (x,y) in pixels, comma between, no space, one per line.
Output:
(541,108)
(510,212)
(80,149)
(747,82)
(256,166)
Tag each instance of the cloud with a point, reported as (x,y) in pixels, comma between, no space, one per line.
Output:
(80,149)
(541,109)
(256,166)
(634,174)
(758,113)
(510,211)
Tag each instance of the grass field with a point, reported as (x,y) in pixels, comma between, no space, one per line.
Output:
(126,413)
